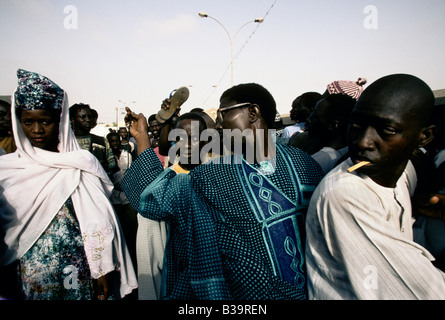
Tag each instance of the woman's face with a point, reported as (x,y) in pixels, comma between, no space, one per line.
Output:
(41,127)
(83,122)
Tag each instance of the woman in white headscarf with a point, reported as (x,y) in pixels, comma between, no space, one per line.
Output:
(57,220)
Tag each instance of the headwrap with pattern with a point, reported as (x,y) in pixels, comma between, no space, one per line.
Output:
(36,92)
(50,178)
(351,88)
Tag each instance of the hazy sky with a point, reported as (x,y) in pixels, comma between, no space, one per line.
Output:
(137,50)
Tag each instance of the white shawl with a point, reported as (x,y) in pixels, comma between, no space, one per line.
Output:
(35,183)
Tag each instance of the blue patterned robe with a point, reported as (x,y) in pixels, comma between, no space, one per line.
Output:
(234,233)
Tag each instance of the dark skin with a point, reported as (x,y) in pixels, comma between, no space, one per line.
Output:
(82,122)
(248,117)
(239,118)
(190,145)
(299,112)
(124,134)
(115,144)
(138,129)
(322,124)
(5,121)
(386,133)
(430,205)
(41,128)
(154,128)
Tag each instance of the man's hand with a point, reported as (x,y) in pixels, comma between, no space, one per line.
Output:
(103,289)
(138,127)
(137,123)
(166,105)
(430,205)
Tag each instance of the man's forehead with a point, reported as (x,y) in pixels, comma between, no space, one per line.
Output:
(380,112)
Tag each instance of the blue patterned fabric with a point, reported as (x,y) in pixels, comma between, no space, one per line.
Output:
(233,235)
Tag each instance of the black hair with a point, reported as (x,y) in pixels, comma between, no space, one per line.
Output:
(112,134)
(194,117)
(75,108)
(152,118)
(309,99)
(94,113)
(341,106)
(209,121)
(6,104)
(255,94)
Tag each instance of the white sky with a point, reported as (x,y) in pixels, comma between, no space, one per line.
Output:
(140,50)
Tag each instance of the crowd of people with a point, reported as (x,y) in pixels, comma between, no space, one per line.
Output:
(347,203)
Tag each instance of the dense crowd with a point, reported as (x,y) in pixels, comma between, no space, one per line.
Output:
(347,203)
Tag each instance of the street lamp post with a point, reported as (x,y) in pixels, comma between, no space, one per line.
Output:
(231,39)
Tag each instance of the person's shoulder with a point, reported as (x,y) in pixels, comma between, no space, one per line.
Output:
(291,127)
(298,156)
(292,150)
(341,185)
(212,167)
(98,139)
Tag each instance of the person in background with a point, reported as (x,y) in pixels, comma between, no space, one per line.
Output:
(302,107)
(125,212)
(154,129)
(152,235)
(57,222)
(7,143)
(329,124)
(279,127)
(428,202)
(209,121)
(359,223)
(94,117)
(312,144)
(126,144)
(82,120)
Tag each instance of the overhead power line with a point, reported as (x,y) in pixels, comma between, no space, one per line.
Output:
(238,53)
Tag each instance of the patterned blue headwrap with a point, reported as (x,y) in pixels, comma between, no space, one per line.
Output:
(36,92)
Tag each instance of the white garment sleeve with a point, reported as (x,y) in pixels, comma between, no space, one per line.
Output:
(359,254)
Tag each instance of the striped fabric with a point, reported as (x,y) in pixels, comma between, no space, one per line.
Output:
(351,88)
(360,241)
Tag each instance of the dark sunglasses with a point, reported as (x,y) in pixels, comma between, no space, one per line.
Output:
(219,113)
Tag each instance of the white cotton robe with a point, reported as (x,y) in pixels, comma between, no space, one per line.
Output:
(360,241)
(35,183)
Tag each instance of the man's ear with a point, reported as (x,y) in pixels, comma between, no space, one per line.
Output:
(254,113)
(427,135)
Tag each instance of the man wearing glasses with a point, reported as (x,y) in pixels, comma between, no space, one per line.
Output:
(237,223)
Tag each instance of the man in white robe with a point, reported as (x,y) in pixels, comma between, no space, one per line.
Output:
(359,224)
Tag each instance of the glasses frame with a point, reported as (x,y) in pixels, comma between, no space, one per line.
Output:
(220,118)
